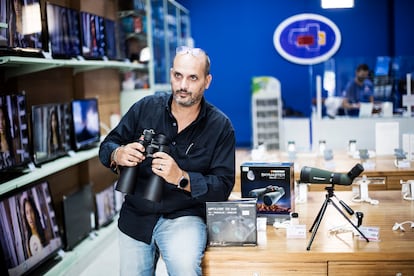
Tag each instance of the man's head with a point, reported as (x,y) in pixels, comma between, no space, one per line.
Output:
(362,72)
(190,75)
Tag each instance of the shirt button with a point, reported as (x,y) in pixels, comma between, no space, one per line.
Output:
(174,124)
(173,143)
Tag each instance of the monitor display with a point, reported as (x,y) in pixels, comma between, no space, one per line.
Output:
(111,50)
(4,11)
(25,25)
(50,131)
(382,66)
(86,123)
(64,32)
(92,36)
(29,234)
(78,216)
(14,133)
(105,206)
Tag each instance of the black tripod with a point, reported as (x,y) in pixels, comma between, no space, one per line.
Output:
(318,219)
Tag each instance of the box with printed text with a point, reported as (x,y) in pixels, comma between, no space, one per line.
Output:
(272,184)
(232,222)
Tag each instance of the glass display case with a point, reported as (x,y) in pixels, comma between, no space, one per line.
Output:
(387,77)
(150,32)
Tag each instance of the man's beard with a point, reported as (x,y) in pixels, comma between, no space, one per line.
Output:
(180,101)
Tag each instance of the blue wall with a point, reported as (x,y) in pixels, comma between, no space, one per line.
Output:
(238,35)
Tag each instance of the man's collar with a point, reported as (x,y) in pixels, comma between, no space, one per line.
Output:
(202,106)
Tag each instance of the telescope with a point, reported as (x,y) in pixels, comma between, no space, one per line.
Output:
(318,176)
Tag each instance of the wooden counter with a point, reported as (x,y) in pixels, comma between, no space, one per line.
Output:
(330,254)
(384,171)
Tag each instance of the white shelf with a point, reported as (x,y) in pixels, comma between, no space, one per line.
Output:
(48,169)
(18,66)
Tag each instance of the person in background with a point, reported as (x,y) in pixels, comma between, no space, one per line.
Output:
(358,90)
(199,167)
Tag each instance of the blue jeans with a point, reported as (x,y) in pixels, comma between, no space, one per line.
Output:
(181,243)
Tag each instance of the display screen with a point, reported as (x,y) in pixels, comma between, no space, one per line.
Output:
(85,119)
(50,131)
(110,37)
(29,234)
(3,23)
(105,206)
(92,36)
(25,25)
(14,136)
(77,216)
(382,66)
(63,30)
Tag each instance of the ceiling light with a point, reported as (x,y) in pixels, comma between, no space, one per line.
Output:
(336,4)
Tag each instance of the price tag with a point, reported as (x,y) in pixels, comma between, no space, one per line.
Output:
(372,233)
(296,231)
(403,164)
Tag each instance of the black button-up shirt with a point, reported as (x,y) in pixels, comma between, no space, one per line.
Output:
(205,149)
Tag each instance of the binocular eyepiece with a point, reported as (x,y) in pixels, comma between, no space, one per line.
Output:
(128,175)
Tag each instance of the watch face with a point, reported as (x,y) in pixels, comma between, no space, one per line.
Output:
(183,182)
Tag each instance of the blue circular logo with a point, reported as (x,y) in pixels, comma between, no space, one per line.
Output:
(307,38)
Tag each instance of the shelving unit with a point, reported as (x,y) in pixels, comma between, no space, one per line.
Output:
(266,112)
(18,66)
(166,25)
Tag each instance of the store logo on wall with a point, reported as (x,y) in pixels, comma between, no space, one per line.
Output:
(307,38)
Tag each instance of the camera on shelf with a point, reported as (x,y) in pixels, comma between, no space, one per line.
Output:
(152,143)
(269,195)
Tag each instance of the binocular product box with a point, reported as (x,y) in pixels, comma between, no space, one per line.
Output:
(272,184)
(232,222)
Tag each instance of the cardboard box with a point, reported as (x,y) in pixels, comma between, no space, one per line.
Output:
(232,223)
(272,183)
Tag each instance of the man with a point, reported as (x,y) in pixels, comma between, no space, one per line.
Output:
(360,89)
(199,167)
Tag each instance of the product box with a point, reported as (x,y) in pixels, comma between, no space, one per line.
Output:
(272,184)
(232,222)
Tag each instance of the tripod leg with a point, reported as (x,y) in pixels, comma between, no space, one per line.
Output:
(317,222)
(319,214)
(356,228)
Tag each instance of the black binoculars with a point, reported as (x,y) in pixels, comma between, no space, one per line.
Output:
(269,195)
(128,175)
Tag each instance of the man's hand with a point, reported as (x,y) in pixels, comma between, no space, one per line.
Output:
(166,167)
(130,155)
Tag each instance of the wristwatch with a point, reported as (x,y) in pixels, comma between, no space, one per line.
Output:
(183,182)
